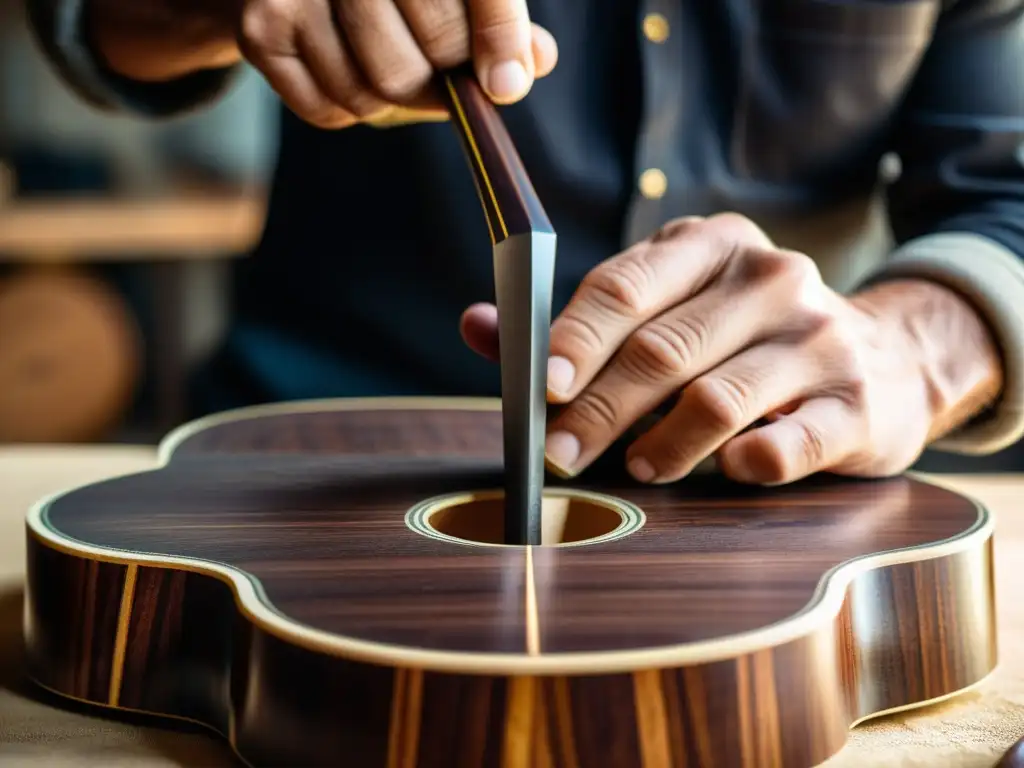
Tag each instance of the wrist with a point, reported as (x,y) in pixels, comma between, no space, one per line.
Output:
(955,351)
(161,40)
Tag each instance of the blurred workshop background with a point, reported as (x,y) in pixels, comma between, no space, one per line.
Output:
(115,237)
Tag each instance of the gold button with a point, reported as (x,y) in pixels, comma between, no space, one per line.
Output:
(656,27)
(653,184)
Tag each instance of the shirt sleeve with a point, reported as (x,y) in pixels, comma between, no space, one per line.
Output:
(58,28)
(957,209)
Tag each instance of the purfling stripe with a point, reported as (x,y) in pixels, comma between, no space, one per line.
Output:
(532,616)
(124,619)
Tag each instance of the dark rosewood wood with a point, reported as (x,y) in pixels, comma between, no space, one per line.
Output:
(624,653)
(1014,757)
(510,203)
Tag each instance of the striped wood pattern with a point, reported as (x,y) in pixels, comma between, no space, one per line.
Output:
(321,529)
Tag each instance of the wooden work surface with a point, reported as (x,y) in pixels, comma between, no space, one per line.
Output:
(970,731)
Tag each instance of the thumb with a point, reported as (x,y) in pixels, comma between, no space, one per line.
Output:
(479,329)
(502,45)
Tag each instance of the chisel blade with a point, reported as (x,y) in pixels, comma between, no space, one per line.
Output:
(524,271)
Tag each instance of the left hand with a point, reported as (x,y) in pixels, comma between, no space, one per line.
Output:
(747,332)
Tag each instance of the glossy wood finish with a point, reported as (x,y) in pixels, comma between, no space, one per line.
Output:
(1014,756)
(703,639)
(510,203)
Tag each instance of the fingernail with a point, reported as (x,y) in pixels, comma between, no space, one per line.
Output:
(641,469)
(562,450)
(561,372)
(507,81)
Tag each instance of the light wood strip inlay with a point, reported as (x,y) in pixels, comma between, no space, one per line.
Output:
(124,621)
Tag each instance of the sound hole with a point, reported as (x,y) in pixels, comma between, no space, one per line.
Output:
(568,518)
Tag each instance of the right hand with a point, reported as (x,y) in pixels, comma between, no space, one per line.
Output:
(336,63)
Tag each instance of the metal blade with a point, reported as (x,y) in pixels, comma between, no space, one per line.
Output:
(524,274)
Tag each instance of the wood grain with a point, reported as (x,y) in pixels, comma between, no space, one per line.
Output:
(311,505)
(506,193)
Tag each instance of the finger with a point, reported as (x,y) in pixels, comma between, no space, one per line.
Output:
(627,291)
(501,39)
(441,28)
(333,66)
(301,93)
(545,52)
(479,328)
(387,52)
(268,38)
(658,360)
(720,405)
(819,434)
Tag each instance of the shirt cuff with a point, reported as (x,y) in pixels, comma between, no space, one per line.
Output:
(59,30)
(992,278)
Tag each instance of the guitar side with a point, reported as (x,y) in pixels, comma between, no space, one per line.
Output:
(171,642)
(182,639)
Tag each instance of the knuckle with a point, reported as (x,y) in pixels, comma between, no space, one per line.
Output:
(819,331)
(812,445)
(266,26)
(740,228)
(800,272)
(659,351)
(855,390)
(680,227)
(596,409)
(399,82)
(674,455)
(845,363)
(720,401)
(814,322)
(621,286)
(763,265)
(578,335)
(445,39)
(504,34)
(349,91)
(796,271)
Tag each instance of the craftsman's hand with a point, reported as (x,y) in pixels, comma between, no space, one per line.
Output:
(780,376)
(335,63)
(339,62)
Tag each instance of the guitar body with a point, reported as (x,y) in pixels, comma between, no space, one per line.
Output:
(323,584)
